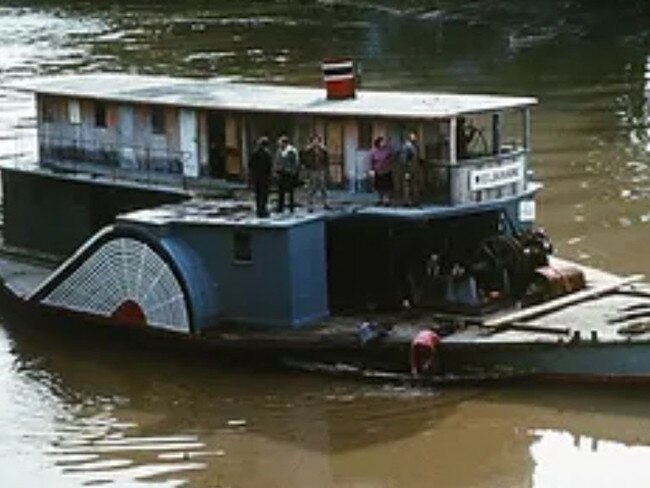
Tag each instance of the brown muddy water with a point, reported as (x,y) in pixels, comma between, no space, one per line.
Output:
(77,413)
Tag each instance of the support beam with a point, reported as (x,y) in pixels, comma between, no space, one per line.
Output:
(244,147)
(496,133)
(526,128)
(453,140)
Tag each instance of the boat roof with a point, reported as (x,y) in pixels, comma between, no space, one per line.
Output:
(225,94)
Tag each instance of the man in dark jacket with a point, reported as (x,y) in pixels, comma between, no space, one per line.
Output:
(260,164)
(410,162)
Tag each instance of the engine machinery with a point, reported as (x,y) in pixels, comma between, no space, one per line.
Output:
(470,264)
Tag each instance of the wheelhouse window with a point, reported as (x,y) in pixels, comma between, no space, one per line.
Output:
(100,115)
(514,130)
(74,112)
(365,134)
(242,247)
(158,120)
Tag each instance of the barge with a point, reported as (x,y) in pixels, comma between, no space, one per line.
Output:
(140,189)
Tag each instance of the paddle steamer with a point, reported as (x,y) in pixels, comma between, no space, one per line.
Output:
(140,184)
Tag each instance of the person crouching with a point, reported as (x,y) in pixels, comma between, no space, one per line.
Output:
(423,347)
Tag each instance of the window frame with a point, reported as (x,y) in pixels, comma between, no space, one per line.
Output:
(101,109)
(158,120)
(48,111)
(242,247)
(74,111)
(364,137)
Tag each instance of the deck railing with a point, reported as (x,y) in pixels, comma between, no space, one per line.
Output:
(122,163)
(436,182)
(55,150)
(113,160)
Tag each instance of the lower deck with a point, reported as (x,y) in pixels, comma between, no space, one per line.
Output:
(610,310)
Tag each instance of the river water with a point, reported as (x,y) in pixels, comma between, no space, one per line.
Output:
(75,412)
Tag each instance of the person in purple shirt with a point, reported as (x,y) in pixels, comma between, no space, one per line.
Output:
(380,166)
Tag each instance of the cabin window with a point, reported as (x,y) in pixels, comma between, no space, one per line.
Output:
(514,131)
(47,110)
(365,134)
(100,114)
(435,141)
(74,112)
(242,247)
(158,120)
(304,133)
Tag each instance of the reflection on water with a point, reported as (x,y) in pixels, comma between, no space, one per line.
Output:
(52,433)
(91,411)
(587,461)
(73,413)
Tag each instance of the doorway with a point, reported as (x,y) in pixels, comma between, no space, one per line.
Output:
(334,141)
(216,145)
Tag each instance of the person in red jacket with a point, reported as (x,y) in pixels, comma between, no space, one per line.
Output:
(423,347)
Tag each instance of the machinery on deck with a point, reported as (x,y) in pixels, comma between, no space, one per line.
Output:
(434,264)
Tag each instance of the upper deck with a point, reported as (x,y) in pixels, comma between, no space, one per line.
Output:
(470,148)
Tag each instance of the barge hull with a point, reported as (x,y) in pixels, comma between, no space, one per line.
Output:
(472,353)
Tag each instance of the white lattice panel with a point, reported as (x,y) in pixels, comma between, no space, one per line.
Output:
(122,270)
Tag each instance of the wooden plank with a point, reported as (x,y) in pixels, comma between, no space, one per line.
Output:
(531,327)
(565,301)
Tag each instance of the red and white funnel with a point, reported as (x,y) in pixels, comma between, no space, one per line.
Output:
(339,77)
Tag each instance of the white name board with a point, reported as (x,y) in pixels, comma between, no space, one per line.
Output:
(482,179)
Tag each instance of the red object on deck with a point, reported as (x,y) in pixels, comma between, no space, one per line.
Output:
(340,78)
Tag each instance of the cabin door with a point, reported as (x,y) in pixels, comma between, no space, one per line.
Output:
(335,147)
(126,150)
(216,145)
(189,142)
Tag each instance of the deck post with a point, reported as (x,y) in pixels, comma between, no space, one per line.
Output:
(526,128)
(244,147)
(496,133)
(454,183)
(453,140)
(350,155)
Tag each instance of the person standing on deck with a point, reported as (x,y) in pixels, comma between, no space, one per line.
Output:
(410,162)
(260,164)
(380,167)
(315,159)
(287,167)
